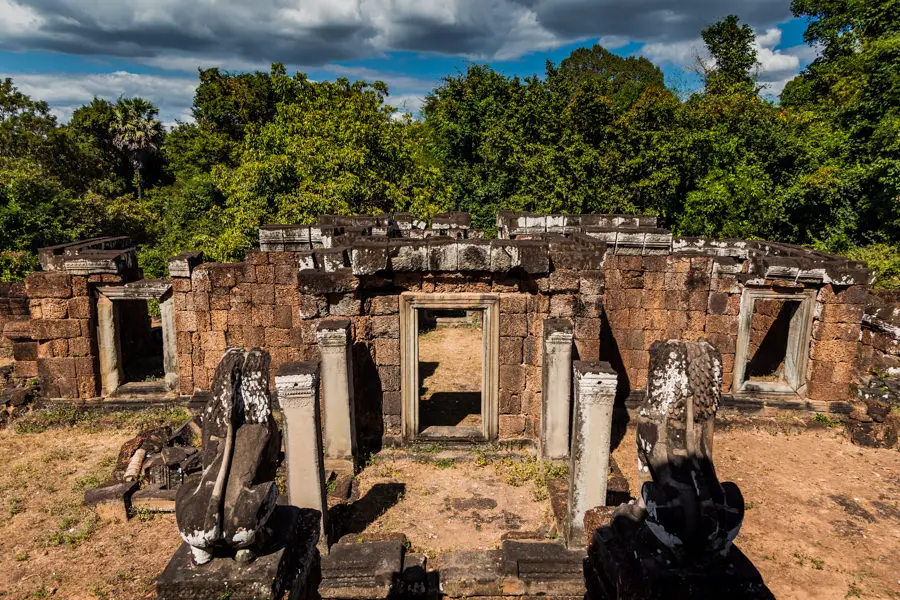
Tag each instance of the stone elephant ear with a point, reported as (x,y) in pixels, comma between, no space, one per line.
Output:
(229,503)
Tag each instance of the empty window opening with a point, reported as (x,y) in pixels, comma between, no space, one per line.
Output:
(770,329)
(140,343)
(773,341)
(450,372)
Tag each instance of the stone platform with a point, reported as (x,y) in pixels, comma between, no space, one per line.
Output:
(289,565)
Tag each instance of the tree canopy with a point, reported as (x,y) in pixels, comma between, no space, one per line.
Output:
(597,132)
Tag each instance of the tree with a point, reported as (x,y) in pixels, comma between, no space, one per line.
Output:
(730,45)
(855,81)
(137,132)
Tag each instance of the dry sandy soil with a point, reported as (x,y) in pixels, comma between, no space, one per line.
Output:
(450,376)
(823,515)
(823,518)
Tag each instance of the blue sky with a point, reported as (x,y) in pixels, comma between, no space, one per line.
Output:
(67,51)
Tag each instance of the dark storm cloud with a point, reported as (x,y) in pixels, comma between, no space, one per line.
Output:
(315,32)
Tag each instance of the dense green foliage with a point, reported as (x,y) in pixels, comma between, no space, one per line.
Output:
(594,133)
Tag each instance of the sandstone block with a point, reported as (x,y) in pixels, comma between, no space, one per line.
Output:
(387,352)
(511,425)
(46,329)
(390,378)
(510,351)
(262,294)
(512,378)
(48,284)
(510,403)
(384,327)
(513,303)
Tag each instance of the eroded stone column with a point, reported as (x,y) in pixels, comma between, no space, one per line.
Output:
(337,391)
(595,393)
(297,385)
(108,345)
(556,389)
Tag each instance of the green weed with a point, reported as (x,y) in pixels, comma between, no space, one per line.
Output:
(445,463)
(827,421)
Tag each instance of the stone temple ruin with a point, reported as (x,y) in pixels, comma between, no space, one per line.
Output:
(574,311)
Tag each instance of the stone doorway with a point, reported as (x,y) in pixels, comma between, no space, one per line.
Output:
(135,335)
(449,366)
(773,341)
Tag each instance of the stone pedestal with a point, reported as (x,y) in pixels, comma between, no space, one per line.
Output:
(556,389)
(595,393)
(288,565)
(626,562)
(337,394)
(297,385)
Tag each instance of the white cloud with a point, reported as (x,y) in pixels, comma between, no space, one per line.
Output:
(67,91)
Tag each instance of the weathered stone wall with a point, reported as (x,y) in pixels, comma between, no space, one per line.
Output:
(13,307)
(690,297)
(268,301)
(63,331)
(880,343)
(677,296)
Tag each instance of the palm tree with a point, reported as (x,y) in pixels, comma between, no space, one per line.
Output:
(137,132)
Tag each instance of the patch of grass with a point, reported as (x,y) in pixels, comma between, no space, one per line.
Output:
(518,471)
(16,506)
(817,563)
(445,463)
(827,421)
(853,591)
(143,515)
(331,486)
(432,448)
(22,557)
(100,474)
(69,415)
(75,524)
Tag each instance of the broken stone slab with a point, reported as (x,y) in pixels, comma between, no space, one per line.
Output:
(111,500)
(542,568)
(154,499)
(181,265)
(367,569)
(472,573)
(287,563)
(176,455)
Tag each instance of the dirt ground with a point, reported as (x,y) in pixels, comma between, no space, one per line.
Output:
(822,520)
(822,515)
(53,547)
(450,377)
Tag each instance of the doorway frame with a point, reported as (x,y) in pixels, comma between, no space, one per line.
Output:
(109,330)
(489,304)
(796,356)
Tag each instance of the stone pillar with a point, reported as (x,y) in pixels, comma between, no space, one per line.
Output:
(108,346)
(297,385)
(595,393)
(556,389)
(337,391)
(170,356)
